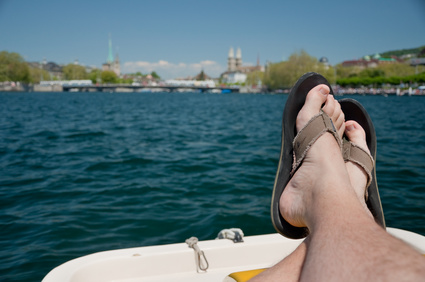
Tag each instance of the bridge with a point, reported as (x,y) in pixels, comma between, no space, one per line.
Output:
(137,88)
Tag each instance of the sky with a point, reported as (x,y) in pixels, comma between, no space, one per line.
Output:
(179,38)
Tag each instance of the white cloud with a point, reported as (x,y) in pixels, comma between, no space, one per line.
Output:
(163,63)
(208,63)
(169,70)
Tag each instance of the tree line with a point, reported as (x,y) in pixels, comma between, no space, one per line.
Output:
(283,75)
(280,75)
(385,74)
(379,81)
(14,68)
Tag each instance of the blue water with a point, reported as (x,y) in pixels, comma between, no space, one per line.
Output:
(88,172)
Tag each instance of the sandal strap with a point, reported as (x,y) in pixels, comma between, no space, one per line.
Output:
(315,127)
(353,153)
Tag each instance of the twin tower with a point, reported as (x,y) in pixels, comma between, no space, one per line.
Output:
(234,63)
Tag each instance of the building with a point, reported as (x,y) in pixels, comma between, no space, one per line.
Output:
(54,70)
(235,77)
(417,61)
(236,71)
(112,64)
(371,62)
(325,62)
(231,63)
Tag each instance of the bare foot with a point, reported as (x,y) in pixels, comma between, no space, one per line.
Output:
(323,158)
(358,177)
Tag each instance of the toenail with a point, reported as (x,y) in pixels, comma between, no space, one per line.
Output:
(323,91)
(350,127)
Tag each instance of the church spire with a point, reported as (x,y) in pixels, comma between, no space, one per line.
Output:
(231,60)
(231,53)
(238,61)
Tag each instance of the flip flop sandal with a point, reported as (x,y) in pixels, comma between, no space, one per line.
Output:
(295,146)
(353,110)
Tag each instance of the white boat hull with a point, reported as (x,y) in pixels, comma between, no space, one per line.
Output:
(176,262)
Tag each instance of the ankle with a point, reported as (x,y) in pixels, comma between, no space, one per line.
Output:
(333,206)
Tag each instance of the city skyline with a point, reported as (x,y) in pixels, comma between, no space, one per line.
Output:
(181,38)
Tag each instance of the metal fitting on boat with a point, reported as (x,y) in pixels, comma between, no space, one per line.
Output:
(234,234)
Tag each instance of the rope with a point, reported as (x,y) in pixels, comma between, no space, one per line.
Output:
(201,260)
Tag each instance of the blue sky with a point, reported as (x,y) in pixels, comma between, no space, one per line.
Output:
(179,38)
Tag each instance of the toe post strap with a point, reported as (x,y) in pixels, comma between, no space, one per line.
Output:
(315,127)
(352,152)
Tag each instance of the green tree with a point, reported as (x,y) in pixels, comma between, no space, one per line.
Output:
(109,77)
(37,74)
(125,80)
(155,75)
(392,74)
(13,68)
(345,72)
(273,76)
(371,73)
(402,52)
(397,69)
(73,71)
(383,70)
(285,74)
(253,78)
(298,64)
(95,76)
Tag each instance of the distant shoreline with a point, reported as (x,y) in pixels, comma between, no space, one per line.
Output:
(339,91)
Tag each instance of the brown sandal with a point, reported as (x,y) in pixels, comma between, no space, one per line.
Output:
(294,148)
(315,127)
(353,110)
(353,153)
(290,161)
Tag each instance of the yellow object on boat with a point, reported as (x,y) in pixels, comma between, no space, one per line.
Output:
(243,276)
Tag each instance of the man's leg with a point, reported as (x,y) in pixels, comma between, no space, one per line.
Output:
(344,243)
(288,269)
(291,267)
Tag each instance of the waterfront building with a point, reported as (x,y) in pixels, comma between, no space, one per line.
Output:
(236,71)
(234,77)
(234,63)
(112,64)
(371,62)
(54,70)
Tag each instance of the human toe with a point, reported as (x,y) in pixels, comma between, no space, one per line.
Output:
(316,97)
(359,172)
(356,134)
(333,109)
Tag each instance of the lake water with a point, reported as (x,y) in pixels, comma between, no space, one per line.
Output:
(89,172)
